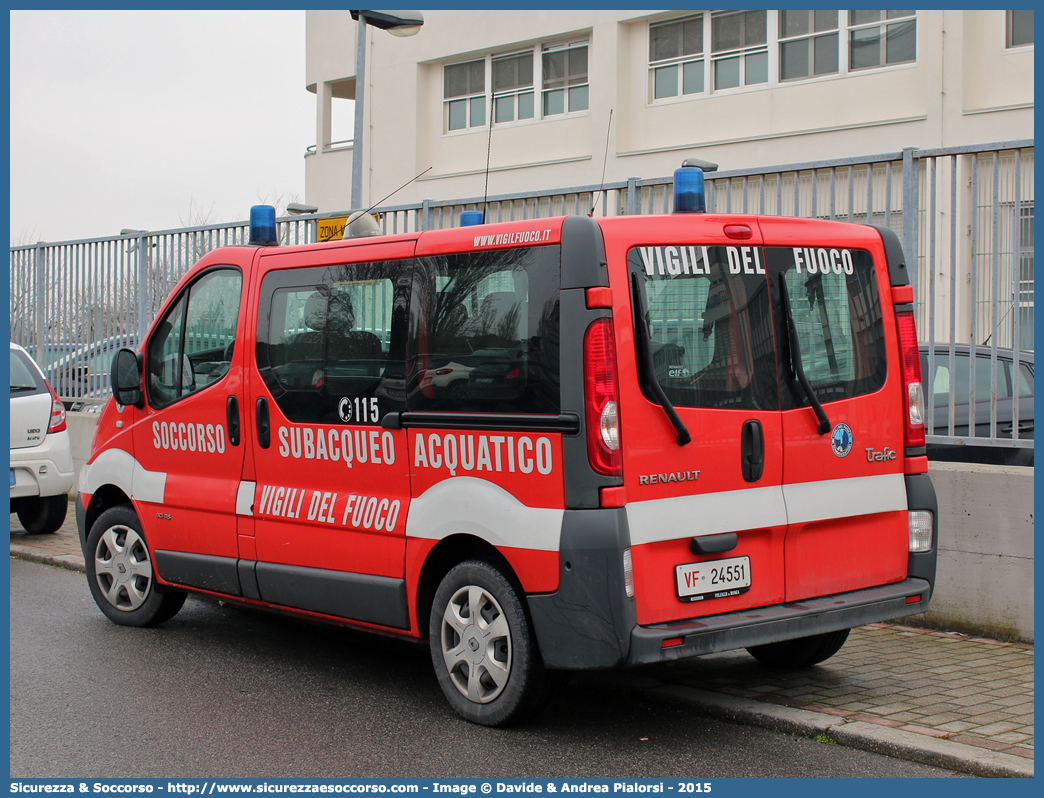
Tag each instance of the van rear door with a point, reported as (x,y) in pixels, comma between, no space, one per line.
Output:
(843,481)
(707,519)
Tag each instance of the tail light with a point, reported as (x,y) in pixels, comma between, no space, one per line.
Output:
(913,394)
(512,375)
(57,422)
(602,399)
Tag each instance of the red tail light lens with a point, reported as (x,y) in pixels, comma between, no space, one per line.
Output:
(602,399)
(57,422)
(913,394)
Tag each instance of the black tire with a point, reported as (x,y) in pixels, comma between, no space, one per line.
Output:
(491,671)
(43,515)
(121,575)
(802,652)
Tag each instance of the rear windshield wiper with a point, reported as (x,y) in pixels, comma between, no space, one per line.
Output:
(641,331)
(795,359)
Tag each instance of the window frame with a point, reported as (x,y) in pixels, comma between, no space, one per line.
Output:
(516,92)
(811,36)
(852,28)
(678,62)
(468,99)
(1009,29)
(775,41)
(490,95)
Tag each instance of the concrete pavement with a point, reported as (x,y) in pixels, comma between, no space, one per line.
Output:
(941,698)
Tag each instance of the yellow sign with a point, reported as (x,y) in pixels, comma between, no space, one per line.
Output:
(331,229)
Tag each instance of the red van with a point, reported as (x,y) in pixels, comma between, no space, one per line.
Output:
(543,445)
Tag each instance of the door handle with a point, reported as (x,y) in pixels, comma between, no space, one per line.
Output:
(752,450)
(264,437)
(232,417)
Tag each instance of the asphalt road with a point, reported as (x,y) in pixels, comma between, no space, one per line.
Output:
(225,692)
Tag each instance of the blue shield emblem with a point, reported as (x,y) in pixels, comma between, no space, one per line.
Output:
(841,439)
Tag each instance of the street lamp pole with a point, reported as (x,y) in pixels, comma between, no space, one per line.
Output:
(398,23)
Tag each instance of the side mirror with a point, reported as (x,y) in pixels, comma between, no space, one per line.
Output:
(125,379)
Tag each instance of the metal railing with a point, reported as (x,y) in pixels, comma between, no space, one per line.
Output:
(964,215)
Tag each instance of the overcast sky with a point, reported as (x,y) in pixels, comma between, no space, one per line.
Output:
(154,119)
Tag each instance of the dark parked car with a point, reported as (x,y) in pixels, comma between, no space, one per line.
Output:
(941,383)
(83,374)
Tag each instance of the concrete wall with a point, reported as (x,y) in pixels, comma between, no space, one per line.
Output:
(985,576)
(984,583)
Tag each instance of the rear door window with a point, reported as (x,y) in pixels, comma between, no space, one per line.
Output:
(836,309)
(710,325)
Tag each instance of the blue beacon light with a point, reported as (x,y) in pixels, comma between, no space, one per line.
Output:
(263,225)
(469,218)
(689,192)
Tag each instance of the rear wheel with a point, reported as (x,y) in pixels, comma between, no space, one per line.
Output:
(483,647)
(120,573)
(802,652)
(43,515)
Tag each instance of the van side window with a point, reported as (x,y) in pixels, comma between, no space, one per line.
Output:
(192,345)
(331,337)
(837,313)
(710,326)
(484,332)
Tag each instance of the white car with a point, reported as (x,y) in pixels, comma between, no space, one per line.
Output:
(41,456)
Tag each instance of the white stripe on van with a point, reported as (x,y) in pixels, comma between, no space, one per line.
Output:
(119,468)
(245,498)
(705,514)
(477,507)
(756,508)
(843,498)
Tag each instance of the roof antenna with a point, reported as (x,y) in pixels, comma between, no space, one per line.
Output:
(604,160)
(489,145)
(371,228)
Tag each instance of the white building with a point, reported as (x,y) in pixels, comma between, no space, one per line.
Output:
(567,91)
(551,98)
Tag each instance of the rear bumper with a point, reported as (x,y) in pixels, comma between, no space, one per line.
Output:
(44,470)
(754,627)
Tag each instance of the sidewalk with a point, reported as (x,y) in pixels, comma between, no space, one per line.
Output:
(940,698)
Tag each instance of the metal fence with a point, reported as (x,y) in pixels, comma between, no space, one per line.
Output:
(964,214)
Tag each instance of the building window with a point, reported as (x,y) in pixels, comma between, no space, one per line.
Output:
(1019,27)
(808,44)
(464,90)
(507,85)
(739,48)
(565,86)
(512,87)
(676,64)
(881,38)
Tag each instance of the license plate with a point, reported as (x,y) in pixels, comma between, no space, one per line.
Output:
(714,579)
(12,477)
(484,380)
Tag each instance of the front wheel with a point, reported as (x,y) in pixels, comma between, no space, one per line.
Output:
(800,653)
(120,573)
(483,647)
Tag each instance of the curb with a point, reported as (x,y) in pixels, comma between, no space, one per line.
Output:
(72,562)
(855,734)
